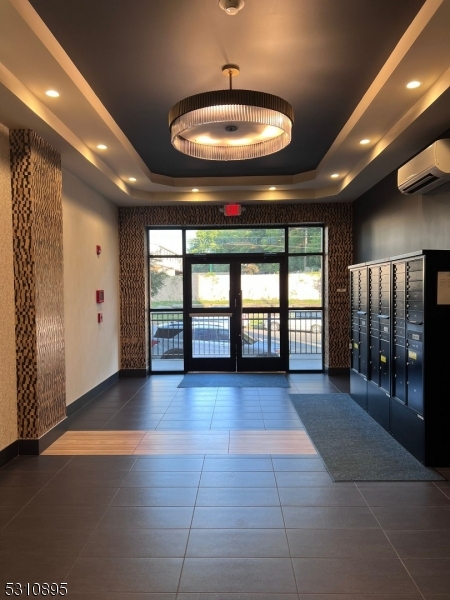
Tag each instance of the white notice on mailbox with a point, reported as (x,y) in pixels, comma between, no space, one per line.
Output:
(443,287)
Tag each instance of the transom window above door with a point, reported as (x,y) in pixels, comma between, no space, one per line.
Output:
(235,241)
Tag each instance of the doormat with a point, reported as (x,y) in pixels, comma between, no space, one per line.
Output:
(236,380)
(352,445)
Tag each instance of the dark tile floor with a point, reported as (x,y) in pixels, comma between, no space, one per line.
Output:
(249,527)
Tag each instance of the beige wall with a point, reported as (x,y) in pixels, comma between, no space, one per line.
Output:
(8,391)
(92,349)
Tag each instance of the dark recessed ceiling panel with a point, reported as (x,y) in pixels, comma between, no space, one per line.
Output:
(143,56)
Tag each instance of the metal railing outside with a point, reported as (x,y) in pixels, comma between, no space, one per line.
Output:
(260,334)
(210,336)
(166,335)
(305,331)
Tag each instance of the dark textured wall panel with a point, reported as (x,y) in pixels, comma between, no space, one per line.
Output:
(133,265)
(389,223)
(38,273)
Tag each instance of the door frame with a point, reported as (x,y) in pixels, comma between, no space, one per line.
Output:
(236,362)
(184,256)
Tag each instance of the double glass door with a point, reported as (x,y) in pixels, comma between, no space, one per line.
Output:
(234,311)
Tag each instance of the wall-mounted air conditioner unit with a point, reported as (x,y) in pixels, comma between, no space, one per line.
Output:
(427,170)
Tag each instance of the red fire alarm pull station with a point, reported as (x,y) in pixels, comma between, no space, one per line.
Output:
(100,296)
(100,317)
(99,250)
(232,210)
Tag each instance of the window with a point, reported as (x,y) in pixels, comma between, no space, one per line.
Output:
(305,285)
(235,241)
(166,297)
(290,282)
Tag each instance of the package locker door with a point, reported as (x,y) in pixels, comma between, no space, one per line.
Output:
(399,373)
(374,325)
(399,331)
(415,380)
(374,370)
(358,283)
(355,351)
(363,358)
(415,368)
(385,366)
(414,334)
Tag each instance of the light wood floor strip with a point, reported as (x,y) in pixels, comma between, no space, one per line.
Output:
(181,442)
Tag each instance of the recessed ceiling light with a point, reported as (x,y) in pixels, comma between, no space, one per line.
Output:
(131,178)
(413,84)
(365,141)
(195,189)
(52,93)
(335,175)
(272,189)
(102,147)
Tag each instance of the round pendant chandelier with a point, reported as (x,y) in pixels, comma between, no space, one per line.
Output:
(231,124)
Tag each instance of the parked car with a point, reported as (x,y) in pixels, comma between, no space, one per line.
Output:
(210,340)
(166,340)
(305,320)
(301,320)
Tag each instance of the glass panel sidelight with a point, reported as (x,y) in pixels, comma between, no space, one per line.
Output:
(260,284)
(305,339)
(166,282)
(235,241)
(210,285)
(166,294)
(305,281)
(167,347)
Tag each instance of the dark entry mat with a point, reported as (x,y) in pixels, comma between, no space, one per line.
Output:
(238,380)
(352,445)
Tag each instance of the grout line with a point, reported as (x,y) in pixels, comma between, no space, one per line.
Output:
(98,524)
(284,523)
(441,490)
(190,529)
(38,492)
(391,544)
(335,387)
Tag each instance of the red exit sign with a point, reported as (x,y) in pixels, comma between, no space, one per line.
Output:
(232,210)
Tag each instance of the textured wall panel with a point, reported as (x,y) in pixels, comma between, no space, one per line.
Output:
(133,273)
(38,275)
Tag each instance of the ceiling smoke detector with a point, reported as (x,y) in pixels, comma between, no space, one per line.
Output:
(231,7)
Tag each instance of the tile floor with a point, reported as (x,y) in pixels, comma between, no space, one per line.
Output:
(216,526)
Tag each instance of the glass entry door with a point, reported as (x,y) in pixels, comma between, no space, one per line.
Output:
(234,313)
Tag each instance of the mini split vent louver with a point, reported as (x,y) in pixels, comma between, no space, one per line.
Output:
(427,170)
